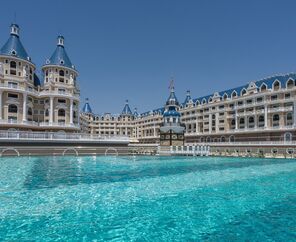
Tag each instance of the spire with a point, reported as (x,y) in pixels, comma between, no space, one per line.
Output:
(188,97)
(86,108)
(60,56)
(13,46)
(126,110)
(172,100)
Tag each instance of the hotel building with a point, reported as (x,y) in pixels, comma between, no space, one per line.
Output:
(26,104)
(261,110)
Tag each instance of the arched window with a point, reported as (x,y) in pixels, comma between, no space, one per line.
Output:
(263,87)
(287,137)
(74,115)
(12,108)
(204,101)
(261,121)
(30,112)
(61,113)
(243,92)
(210,100)
(289,119)
(290,83)
(275,120)
(231,138)
(233,122)
(234,94)
(208,139)
(276,85)
(46,113)
(13,64)
(12,68)
(251,122)
(225,96)
(242,121)
(222,139)
(61,73)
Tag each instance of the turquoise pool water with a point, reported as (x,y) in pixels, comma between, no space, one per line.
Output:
(147,199)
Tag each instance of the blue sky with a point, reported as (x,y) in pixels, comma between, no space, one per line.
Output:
(130,49)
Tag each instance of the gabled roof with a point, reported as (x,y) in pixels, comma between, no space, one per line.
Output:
(86,108)
(126,110)
(14,47)
(60,56)
(268,81)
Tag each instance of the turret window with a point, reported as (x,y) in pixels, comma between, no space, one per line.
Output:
(12,108)
(13,68)
(61,113)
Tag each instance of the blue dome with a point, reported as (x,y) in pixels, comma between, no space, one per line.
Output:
(171,112)
(13,46)
(60,56)
(86,108)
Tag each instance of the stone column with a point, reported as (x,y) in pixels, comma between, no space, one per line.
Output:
(1,105)
(71,111)
(265,116)
(294,114)
(51,111)
(210,123)
(217,122)
(236,120)
(24,107)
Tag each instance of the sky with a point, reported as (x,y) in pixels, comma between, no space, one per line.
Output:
(131,49)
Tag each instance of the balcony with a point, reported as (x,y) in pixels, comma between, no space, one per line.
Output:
(59,125)
(58,93)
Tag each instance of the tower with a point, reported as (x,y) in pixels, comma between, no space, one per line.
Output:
(172,131)
(61,92)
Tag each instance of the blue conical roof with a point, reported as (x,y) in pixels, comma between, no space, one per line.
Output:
(126,110)
(172,98)
(13,46)
(60,56)
(188,98)
(136,114)
(86,108)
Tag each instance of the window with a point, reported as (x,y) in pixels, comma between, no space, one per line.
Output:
(30,111)
(61,113)
(13,68)
(290,83)
(61,101)
(287,95)
(273,97)
(61,73)
(276,85)
(12,108)
(11,95)
(275,120)
(259,99)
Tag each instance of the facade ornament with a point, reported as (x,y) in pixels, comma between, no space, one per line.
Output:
(1,68)
(71,79)
(25,72)
(50,77)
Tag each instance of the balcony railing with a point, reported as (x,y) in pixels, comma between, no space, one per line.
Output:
(41,136)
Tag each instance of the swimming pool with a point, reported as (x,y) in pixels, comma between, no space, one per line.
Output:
(147,199)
